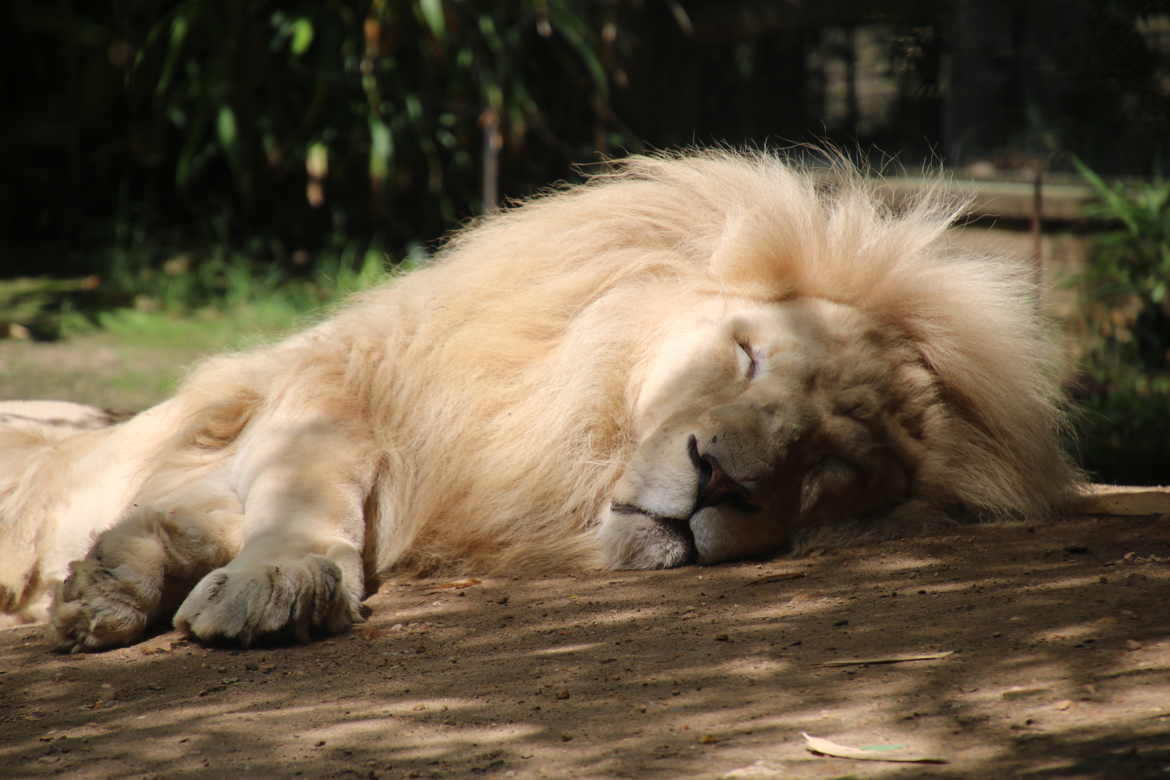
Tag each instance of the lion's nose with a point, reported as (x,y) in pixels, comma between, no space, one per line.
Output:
(715,486)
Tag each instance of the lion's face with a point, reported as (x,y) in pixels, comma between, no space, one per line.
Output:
(755,420)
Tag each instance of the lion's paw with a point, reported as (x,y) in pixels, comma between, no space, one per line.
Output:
(94,609)
(287,599)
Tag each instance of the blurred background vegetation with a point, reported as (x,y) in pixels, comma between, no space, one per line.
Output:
(183,169)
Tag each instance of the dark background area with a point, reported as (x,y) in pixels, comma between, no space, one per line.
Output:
(283,128)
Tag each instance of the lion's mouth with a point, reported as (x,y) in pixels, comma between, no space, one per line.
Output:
(678,528)
(634,509)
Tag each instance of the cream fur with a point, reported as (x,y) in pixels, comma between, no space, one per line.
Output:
(477,414)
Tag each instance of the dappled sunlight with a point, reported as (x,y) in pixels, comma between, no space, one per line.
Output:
(998,650)
(617,616)
(755,668)
(1084,581)
(441,741)
(1079,632)
(897,564)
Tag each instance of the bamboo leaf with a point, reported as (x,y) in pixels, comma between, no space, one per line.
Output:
(302,37)
(1115,206)
(681,18)
(174,49)
(225,128)
(432,11)
(381,148)
(576,34)
(317,161)
(414,108)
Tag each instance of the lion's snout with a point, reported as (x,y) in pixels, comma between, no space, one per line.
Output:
(715,486)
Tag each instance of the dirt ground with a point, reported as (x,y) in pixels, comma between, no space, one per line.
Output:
(1059,666)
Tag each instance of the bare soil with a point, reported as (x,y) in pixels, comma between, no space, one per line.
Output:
(1059,667)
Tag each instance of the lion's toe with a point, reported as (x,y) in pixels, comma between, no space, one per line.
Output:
(94,610)
(285,600)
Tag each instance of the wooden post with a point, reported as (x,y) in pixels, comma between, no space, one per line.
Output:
(492,142)
(1037,221)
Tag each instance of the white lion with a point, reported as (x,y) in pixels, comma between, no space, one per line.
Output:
(691,359)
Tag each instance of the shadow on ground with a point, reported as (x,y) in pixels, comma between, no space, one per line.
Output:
(1060,668)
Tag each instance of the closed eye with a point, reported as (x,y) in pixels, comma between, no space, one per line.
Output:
(746,359)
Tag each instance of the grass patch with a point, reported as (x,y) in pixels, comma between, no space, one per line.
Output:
(133,355)
(98,368)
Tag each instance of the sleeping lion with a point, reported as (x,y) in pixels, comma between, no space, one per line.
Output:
(689,359)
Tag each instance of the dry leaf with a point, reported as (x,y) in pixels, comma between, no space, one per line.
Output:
(896,753)
(888,659)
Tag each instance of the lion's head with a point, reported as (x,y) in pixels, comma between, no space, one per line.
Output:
(841,374)
(760,419)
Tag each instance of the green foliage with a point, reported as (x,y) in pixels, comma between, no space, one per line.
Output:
(1126,383)
(302,123)
(1134,261)
(192,123)
(226,293)
(31,306)
(129,347)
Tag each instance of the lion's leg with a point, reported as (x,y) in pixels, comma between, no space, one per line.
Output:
(133,572)
(300,569)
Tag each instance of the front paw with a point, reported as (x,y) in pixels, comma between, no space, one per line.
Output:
(240,604)
(94,609)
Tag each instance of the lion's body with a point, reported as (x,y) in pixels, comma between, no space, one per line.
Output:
(481,412)
(61,484)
